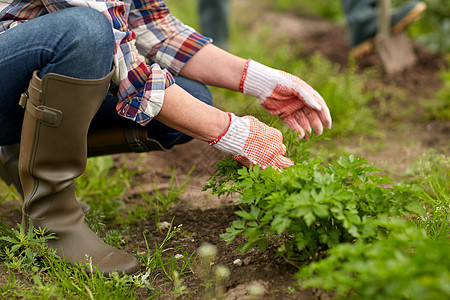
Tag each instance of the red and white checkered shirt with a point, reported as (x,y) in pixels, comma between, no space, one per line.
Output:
(144,25)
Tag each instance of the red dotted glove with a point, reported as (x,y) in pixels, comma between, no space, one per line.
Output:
(286,96)
(252,142)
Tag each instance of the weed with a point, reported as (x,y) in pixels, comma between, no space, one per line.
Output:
(159,201)
(214,277)
(432,173)
(28,254)
(25,250)
(168,264)
(8,192)
(174,190)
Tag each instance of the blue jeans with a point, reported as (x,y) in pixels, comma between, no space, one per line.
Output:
(214,20)
(167,136)
(76,42)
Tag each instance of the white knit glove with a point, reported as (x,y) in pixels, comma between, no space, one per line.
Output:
(286,96)
(252,142)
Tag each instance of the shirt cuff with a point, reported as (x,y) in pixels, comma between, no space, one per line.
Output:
(143,106)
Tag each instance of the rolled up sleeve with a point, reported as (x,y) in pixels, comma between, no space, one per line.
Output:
(138,86)
(161,37)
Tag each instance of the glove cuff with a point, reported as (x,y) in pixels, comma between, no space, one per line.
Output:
(233,140)
(257,80)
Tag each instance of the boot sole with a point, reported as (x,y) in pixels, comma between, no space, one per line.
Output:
(414,15)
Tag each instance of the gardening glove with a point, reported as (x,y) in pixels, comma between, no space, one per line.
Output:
(286,96)
(252,142)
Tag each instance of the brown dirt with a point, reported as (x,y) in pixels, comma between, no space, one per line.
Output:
(205,217)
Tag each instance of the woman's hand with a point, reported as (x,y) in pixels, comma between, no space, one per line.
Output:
(286,96)
(252,142)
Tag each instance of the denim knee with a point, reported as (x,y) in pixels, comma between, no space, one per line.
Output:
(87,42)
(94,29)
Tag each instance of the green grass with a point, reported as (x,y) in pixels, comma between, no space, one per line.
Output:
(102,187)
(31,264)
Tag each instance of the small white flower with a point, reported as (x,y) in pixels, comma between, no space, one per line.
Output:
(207,251)
(222,272)
(256,289)
(178,256)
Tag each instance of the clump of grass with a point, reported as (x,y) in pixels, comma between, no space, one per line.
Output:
(160,200)
(432,173)
(47,276)
(168,260)
(102,186)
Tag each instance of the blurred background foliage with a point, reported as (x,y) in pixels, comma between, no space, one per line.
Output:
(433,30)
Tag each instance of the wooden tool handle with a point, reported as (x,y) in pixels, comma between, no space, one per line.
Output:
(384,20)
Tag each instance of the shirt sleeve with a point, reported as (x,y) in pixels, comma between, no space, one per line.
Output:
(139,87)
(161,37)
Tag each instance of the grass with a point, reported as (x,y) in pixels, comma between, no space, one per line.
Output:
(30,263)
(33,272)
(102,187)
(439,108)
(432,172)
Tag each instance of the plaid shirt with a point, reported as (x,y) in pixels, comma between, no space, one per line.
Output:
(144,25)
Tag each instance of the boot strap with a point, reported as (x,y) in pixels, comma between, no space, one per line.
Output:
(47,115)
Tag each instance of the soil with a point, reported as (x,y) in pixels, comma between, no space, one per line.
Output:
(204,216)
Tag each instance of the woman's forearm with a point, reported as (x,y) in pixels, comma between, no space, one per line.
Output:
(187,114)
(216,67)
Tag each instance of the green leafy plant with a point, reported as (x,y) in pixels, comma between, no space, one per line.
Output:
(405,265)
(308,207)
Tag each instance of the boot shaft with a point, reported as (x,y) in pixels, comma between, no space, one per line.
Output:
(53,148)
(53,152)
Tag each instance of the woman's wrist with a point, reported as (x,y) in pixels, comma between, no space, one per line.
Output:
(214,66)
(183,112)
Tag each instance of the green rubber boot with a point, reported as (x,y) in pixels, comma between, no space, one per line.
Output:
(53,152)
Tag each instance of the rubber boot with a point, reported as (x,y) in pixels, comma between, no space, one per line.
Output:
(9,173)
(109,141)
(53,152)
(105,141)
